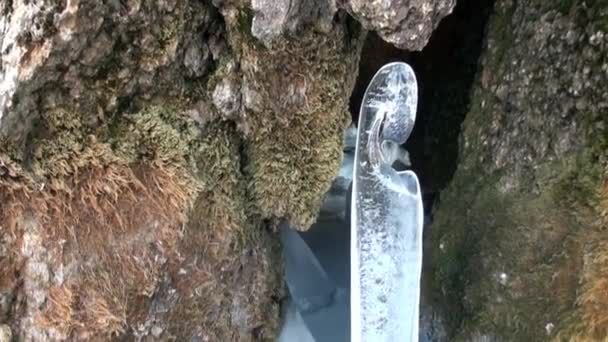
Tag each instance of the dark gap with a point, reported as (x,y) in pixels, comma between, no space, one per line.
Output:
(445,70)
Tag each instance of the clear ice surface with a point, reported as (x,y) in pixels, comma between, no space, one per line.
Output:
(386,214)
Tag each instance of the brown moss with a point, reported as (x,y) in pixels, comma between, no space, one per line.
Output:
(589,320)
(227,254)
(111,218)
(60,316)
(117,223)
(110,222)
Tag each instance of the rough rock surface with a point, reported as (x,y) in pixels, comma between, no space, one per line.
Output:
(273,19)
(519,239)
(407,24)
(146,150)
(91,56)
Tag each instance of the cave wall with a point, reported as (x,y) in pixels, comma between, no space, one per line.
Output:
(519,237)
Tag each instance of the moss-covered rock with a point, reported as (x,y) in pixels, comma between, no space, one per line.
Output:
(148,231)
(88,231)
(144,159)
(518,233)
(294,112)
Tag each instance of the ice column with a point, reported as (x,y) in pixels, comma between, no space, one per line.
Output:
(386,214)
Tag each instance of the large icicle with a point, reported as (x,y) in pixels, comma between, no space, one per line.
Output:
(386,215)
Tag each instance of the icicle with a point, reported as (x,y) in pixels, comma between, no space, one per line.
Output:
(386,215)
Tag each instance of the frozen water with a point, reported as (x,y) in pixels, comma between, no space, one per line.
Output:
(387,216)
(385,239)
(392,98)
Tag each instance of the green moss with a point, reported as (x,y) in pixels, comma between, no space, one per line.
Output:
(294,140)
(62,145)
(226,238)
(293,137)
(564,6)
(537,235)
(158,132)
(501,28)
(541,234)
(485,233)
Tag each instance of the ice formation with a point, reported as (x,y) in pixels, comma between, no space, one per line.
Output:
(386,215)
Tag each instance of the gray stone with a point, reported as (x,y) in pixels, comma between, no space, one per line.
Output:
(6,335)
(274,18)
(196,59)
(407,24)
(227,97)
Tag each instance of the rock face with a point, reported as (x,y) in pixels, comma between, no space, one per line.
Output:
(274,19)
(92,56)
(407,24)
(146,151)
(519,243)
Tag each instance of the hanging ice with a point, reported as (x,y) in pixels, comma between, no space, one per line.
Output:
(386,215)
